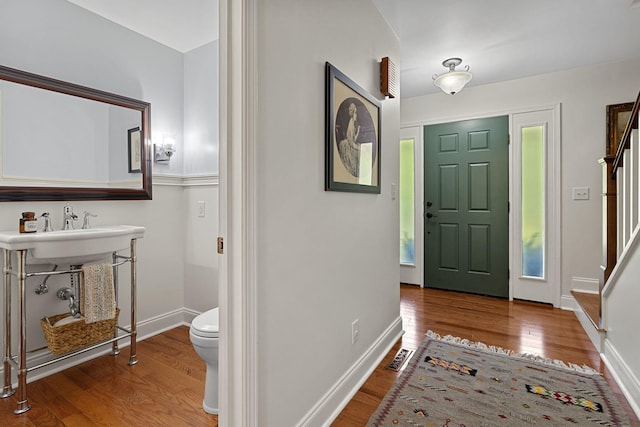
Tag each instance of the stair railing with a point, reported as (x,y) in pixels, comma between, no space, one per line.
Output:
(626,173)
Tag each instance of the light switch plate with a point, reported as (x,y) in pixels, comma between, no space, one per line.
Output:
(580,193)
(202,209)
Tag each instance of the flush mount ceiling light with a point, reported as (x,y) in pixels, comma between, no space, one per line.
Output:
(453,80)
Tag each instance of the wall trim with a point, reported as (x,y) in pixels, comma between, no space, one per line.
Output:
(554,223)
(585,284)
(186,181)
(489,114)
(597,338)
(146,329)
(414,274)
(41,182)
(238,350)
(623,376)
(567,302)
(327,409)
(548,290)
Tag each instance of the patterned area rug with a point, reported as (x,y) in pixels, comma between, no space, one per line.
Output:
(455,382)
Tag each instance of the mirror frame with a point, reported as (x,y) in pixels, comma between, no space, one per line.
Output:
(20,193)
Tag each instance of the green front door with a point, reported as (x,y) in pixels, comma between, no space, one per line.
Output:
(466,209)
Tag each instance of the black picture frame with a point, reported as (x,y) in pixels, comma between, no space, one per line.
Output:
(352,135)
(134,147)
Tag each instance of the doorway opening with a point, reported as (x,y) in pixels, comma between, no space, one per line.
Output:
(533,206)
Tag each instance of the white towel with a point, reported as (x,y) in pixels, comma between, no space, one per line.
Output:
(99,292)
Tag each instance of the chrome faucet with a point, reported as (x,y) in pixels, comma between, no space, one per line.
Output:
(47,222)
(68,217)
(85,222)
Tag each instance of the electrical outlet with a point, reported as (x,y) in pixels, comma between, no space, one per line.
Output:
(355,331)
(201,209)
(580,193)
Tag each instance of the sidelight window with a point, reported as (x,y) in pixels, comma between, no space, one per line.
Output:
(533,201)
(407,202)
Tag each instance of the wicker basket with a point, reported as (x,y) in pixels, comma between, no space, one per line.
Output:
(73,336)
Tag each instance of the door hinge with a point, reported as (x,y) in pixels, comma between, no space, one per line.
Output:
(508,273)
(509,139)
(220,245)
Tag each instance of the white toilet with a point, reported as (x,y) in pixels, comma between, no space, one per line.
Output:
(204,336)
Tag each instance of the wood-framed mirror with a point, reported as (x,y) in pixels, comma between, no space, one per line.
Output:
(63,141)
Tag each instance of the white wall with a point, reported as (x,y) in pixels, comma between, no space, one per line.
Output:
(201,117)
(200,166)
(584,94)
(621,318)
(58,39)
(200,256)
(324,258)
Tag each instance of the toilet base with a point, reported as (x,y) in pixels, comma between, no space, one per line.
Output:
(210,402)
(208,410)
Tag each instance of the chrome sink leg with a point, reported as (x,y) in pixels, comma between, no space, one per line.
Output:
(133,358)
(23,403)
(114,346)
(7,390)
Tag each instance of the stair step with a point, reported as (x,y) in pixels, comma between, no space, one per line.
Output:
(590,304)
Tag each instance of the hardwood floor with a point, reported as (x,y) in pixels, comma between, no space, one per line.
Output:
(520,326)
(167,386)
(164,389)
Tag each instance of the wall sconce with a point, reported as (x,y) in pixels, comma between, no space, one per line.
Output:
(453,80)
(162,152)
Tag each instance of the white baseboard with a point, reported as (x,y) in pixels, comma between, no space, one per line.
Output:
(333,402)
(624,377)
(567,302)
(146,328)
(585,284)
(189,315)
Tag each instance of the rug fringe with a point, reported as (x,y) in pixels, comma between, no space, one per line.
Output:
(584,369)
(469,343)
(499,350)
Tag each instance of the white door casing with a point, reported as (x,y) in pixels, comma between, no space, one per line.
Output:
(237,384)
(414,274)
(546,289)
(524,116)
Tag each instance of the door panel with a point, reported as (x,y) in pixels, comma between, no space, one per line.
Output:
(479,240)
(466,209)
(449,249)
(449,187)
(479,187)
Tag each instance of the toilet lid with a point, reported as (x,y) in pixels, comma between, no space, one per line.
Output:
(206,324)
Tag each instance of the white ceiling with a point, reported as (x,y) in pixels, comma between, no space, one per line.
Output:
(180,24)
(508,39)
(498,39)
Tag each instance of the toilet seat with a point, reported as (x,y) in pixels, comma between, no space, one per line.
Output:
(206,324)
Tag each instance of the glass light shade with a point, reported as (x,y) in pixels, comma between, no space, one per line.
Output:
(452,82)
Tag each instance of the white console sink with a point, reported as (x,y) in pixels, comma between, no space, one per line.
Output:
(71,246)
